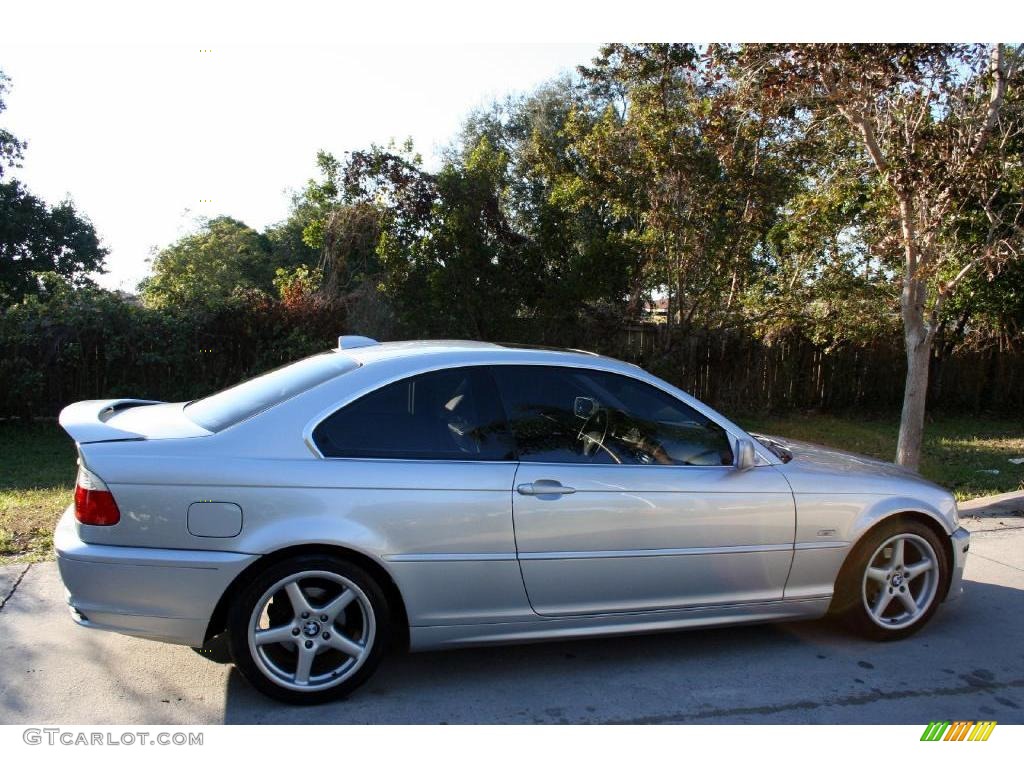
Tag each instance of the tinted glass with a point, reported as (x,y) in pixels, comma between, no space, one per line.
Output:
(232,405)
(452,414)
(593,417)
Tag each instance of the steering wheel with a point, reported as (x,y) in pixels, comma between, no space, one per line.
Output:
(461,433)
(597,422)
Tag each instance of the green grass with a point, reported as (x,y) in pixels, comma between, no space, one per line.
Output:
(957,449)
(37,477)
(37,464)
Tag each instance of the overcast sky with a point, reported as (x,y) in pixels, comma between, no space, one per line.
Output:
(141,137)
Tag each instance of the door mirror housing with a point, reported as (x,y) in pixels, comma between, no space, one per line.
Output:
(745,456)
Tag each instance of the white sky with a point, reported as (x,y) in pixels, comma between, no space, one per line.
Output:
(124,113)
(139,137)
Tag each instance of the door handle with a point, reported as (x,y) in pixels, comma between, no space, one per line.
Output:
(544,488)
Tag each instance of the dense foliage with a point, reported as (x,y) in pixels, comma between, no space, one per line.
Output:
(70,344)
(36,239)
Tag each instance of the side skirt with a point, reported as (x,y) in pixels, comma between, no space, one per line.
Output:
(461,635)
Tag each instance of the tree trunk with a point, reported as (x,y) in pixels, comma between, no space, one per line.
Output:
(916,335)
(918,340)
(915,393)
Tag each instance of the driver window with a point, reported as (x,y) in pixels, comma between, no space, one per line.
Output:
(570,415)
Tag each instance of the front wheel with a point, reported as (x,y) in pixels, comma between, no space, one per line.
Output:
(893,581)
(309,629)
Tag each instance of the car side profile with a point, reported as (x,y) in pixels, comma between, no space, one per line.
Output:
(438,494)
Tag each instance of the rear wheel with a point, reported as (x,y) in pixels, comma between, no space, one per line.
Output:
(894,580)
(309,629)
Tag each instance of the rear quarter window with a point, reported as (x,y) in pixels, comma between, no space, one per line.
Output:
(451,414)
(242,401)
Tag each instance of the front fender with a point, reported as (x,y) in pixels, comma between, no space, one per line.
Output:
(942,512)
(829,526)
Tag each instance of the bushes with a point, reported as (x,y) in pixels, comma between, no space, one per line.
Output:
(82,344)
(70,345)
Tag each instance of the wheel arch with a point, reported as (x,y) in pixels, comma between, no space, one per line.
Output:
(909,514)
(396,603)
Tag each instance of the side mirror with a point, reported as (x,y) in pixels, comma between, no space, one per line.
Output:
(745,456)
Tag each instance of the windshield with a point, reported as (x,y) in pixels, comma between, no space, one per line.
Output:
(230,406)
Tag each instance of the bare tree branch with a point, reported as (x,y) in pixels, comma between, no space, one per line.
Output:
(996,97)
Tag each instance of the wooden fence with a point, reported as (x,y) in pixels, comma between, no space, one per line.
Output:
(46,364)
(740,372)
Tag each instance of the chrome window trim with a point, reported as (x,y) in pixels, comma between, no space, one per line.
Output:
(763,455)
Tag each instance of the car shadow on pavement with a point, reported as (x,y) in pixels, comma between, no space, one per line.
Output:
(753,673)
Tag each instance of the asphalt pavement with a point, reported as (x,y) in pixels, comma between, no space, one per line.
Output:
(967,664)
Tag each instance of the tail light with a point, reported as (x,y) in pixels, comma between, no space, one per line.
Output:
(94,504)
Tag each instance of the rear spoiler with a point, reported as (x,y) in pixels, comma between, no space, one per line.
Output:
(86,421)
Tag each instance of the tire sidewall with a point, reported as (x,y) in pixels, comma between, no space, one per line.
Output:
(241,611)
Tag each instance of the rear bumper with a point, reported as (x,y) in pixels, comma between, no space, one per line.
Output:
(160,594)
(961,540)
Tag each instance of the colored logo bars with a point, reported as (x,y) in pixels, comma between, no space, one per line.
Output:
(961,730)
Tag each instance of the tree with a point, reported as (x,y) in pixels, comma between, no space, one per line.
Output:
(693,178)
(935,124)
(288,248)
(569,266)
(11,147)
(815,271)
(37,239)
(450,259)
(641,156)
(204,268)
(340,227)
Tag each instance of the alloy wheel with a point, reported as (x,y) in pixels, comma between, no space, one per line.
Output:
(311,630)
(901,581)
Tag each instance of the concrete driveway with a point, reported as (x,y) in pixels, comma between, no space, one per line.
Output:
(968,664)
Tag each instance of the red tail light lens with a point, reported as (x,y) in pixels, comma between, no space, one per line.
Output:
(94,504)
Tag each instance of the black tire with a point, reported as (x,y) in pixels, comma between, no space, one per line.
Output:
(373,633)
(216,649)
(855,588)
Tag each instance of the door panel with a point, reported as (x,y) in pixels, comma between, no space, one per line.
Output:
(647,538)
(626,498)
(630,583)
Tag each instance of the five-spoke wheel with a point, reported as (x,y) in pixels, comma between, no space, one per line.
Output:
(900,581)
(309,629)
(893,581)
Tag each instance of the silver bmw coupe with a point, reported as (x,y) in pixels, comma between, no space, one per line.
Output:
(444,493)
